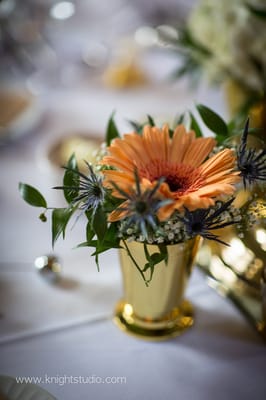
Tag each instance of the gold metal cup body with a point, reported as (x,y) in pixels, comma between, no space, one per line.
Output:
(156,311)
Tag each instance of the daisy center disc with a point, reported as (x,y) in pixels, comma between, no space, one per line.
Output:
(179,177)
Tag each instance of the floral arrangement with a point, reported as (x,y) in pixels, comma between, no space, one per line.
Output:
(225,39)
(156,185)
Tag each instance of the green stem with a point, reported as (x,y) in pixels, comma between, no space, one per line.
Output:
(135,263)
(148,258)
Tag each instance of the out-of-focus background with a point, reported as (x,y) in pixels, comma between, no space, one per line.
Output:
(65,67)
(59,44)
(107,53)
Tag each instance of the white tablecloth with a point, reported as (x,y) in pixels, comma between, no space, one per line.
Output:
(55,332)
(220,357)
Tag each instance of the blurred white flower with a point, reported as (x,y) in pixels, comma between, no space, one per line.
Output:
(235,36)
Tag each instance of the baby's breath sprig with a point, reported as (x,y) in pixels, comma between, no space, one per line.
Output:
(185,225)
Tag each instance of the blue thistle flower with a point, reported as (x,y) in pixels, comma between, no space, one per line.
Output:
(203,221)
(91,193)
(251,162)
(140,207)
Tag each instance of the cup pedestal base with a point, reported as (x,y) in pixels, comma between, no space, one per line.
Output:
(174,324)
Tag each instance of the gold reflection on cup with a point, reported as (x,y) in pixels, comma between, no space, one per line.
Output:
(238,268)
(156,311)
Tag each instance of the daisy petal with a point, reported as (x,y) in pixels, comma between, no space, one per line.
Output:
(188,180)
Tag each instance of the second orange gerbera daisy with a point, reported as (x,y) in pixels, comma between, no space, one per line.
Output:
(190,180)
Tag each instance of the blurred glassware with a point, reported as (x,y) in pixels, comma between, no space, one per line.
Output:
(263,293)
(81,37)
(21,41)
(235,59)
(49,267)
(84,145)
(240,104)
(10,388)
(62,10)
(124,69)
(53,43)
(156,12)
(20,111)
(238,270)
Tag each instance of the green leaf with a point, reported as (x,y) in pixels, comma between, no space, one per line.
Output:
(31,195)
(183,119)
(164,251)
(109,241)
(92,243)
(195,126)
(157,258)
(101,248)
(149,266)
(152,260)
(150,120)
(180,120)
(71,178)
(188,66)
(258,12)
(99,223)
(111,131)
(111,235)
(83,244)
(135,125)
(43,217)
(60,219)
(213,121)
(89,232)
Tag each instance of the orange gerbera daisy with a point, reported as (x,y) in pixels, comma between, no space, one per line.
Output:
(190,180)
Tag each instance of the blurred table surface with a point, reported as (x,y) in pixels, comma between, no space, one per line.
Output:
(55,332)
